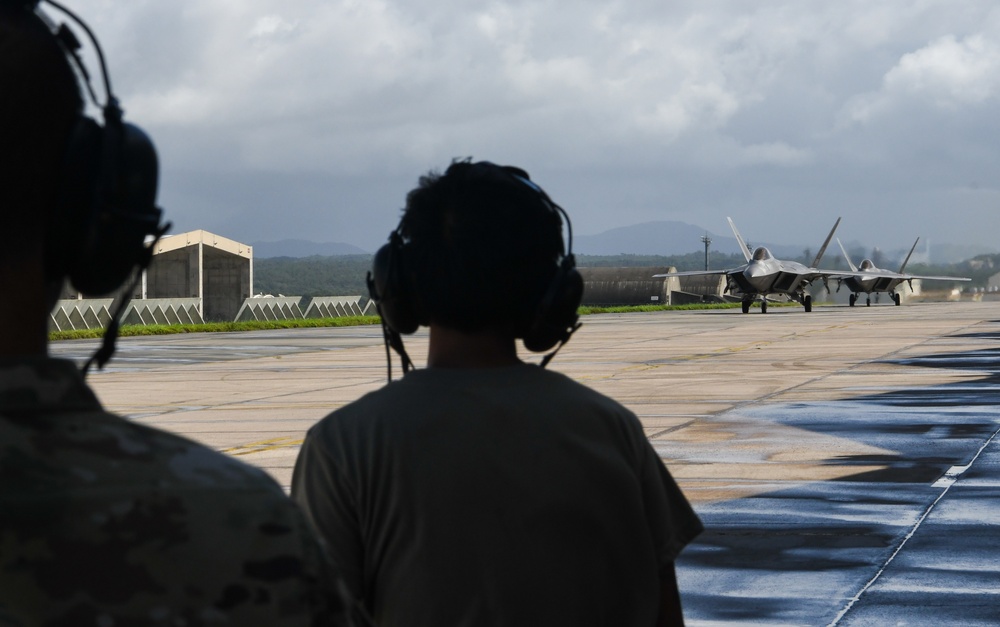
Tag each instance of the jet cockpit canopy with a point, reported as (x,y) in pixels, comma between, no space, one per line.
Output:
(866,265)
(762,254)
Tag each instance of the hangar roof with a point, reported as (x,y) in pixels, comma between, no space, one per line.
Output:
(193,238)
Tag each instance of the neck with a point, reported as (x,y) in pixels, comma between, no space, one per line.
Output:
(24,328)
(449,348)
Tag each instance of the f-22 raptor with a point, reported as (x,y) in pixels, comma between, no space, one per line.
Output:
(764,274)
(869,279)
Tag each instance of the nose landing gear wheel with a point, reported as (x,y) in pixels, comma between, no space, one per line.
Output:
(746,306)
(853,298)
(807,302)
(763,306)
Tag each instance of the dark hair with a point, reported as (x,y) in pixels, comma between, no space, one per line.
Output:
(39,103)
(482,246)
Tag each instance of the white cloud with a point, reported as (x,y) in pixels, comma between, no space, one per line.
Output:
(271,27)
(948,74)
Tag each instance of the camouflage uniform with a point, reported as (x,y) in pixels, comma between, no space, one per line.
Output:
(107,523)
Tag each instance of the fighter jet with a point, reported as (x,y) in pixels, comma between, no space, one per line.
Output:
(869,279)
(764,275)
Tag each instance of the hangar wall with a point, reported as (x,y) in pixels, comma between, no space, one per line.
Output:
(627,286)
(202,265)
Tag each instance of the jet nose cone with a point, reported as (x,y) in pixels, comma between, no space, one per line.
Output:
(755,271)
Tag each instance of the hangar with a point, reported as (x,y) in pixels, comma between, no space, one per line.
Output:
(216,270)
(198,277)
(193,277)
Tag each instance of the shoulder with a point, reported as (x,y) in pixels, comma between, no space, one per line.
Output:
(170,521)
(118,447)
(559,391)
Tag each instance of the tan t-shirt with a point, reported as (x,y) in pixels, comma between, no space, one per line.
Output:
(509,496)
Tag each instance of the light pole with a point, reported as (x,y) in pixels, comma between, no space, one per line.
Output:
(706,240)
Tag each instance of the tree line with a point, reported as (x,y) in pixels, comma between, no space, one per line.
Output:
(344,275)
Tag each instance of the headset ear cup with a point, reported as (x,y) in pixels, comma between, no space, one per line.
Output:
(556,317)
(389,287)
(124,213)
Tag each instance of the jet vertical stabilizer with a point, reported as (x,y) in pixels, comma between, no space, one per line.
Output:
(739,238)
(822,249)
(907,260)
(850,263)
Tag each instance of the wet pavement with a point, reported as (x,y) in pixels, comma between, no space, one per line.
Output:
(845,462)
(914,542)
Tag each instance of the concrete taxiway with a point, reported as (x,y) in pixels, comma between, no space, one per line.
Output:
(845,462)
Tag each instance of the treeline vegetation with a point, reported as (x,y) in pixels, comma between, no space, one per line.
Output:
(979,269)
(690,261)
(344,275)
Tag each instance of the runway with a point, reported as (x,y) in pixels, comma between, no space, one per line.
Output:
(845,461)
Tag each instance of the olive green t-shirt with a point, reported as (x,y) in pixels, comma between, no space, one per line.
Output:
(508,496)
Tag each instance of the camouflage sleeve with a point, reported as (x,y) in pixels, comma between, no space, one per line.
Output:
(105,523)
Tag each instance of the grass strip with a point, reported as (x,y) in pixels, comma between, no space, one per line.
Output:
(132,330)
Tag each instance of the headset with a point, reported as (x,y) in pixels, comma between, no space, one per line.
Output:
(553,320)
(106,209)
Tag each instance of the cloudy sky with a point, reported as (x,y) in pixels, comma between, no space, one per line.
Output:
(311,119)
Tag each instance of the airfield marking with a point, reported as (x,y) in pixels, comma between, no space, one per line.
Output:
(947,481)
(271,444)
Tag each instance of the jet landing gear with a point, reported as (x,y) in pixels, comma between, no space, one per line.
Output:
(853,298)
(746,305)
(748,302)
(807,302)
(895,298)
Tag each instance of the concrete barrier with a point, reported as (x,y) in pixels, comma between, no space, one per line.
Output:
(87,313)
(146,311)
(270,308)
(95,313)
(339,307)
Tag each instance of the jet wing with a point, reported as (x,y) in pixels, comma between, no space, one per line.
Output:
(934,278)
(696,273)
(841,275)
(889,275)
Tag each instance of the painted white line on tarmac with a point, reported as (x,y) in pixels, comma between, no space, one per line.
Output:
(944,482)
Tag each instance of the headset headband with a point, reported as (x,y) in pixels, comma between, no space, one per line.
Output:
(553,321)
